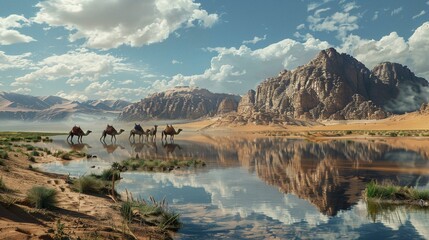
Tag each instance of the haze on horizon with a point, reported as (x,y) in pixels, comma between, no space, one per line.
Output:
(128,49)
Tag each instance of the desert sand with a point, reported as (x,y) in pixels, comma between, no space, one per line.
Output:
(409,121)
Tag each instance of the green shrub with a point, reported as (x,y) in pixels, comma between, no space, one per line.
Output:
(66,156)
(42,197)
(35,153)
(393,134)
(109,174)
(88,184)
(127,211)
(3,154)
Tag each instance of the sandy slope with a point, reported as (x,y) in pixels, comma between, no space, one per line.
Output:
(84,216)
(410,121)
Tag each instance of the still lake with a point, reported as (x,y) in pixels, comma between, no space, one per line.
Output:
(257,187)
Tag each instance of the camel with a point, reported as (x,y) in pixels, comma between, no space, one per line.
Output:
(169,130)
(139,131)
(110,130)
(77,131)
(152,132)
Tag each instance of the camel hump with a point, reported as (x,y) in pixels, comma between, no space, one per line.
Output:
(110,128)
(76,129)
(138,127)
(169,129)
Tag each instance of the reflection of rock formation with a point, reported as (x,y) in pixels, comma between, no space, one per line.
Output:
(331,175)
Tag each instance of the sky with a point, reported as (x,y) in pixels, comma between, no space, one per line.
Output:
(129,49)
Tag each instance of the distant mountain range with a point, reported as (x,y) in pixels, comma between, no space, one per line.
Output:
(332,86)
(14,106)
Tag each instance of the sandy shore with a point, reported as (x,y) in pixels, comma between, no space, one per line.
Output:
(410,121)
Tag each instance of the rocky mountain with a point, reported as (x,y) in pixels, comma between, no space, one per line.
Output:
(181,103)
(108,105)
(14,106)
(334,86)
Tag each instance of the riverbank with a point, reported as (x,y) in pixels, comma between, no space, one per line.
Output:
(75,215)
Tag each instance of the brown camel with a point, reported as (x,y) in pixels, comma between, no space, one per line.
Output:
(169,130)
(77,131)
(110,130)
(152,132)
(138,130)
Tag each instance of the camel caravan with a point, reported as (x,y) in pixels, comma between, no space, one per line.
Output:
(137,130)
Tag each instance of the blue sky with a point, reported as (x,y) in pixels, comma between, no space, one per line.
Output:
(127,49)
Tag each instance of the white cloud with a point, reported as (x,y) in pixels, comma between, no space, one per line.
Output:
(423,12)
(22,90)
(8,34)
(396,11)
(236,70)
(75,96)
(350,6)
(341,22)
(110,24)
(322,10)
(14,61)
(300,26)
(255,40)
(77,66)
(314,5)
(174,61)
(126,82)
(375,17)
(413,52)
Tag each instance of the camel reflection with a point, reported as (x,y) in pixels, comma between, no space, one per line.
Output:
(171,147)
(110,148)
(147,148)
(79,146)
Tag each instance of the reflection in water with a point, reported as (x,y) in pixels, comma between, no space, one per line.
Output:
(111,148)
(395,216)
(316,189)
(170,147)
(80,147)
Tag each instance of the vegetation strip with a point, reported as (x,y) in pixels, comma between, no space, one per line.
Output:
(390,193)
(156,165)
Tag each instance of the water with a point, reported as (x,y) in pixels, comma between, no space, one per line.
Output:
(268,188)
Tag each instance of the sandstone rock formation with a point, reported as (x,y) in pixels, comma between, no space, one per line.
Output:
(335,86)
(181,103)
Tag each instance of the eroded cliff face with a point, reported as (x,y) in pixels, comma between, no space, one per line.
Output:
(336,86)
(181,103)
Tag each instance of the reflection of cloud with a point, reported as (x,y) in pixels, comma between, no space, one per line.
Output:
(236,192)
